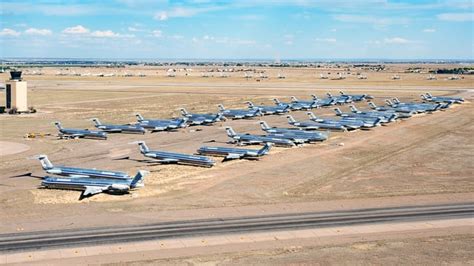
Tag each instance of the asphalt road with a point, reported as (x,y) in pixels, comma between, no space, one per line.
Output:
(51,239)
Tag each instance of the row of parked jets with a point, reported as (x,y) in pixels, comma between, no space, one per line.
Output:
(93,181)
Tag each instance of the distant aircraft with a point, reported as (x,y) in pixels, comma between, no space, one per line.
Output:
(311,125)
(201,119)
(431,77)
(92,186)
(179,158)
(135,129)
(79,133)
(247,139)
(79,172)
(441,99)
(235,153)
(290,105)
(310,135)
(238,113)
(161,124)
(269,110)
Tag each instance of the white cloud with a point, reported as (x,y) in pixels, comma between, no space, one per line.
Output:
(157,33)
(429,30)
(396,40)
(42,32)
(181,12)
(79,29)
(133,29)
(9,32)
(457,17)
(105,34)
(370,19)
(328,40)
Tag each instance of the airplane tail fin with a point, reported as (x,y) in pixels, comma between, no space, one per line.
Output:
(230,132)
(341,92)
(264,125)
(312,116)
(315,98)
(389,102)
(183,121)
(372,105)
(250,104)
(96,121)
(58,125)
(139,117)
(143,147)
(184,112)
(276,101)
(329,94)
(429,95)
(338,111)
(221,107)
(291,120)
(45,162)
(138,180)
(353,109)
(396,100)
(294,99)
(265,149)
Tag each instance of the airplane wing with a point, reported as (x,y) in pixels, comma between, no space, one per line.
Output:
(92,190)
(114,130)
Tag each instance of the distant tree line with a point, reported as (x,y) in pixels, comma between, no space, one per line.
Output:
(459,70)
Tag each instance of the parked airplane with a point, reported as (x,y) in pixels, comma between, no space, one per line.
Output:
(311,125)
(441,99)
(245,139)
(391,116)
(79,172)
(291,106)
(161,124)
(403,112)
(79,133)
(419,107)
(201,119)
(305,105)
(92,186)
(323,102)
(357,97)
(347,123)
(342,99)
(238,113)
(135,129)
(370,118)
(380,112)
(269,110)
(235,153)
(179,158)
(310,135)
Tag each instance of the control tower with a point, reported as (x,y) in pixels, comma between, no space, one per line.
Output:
(16,92)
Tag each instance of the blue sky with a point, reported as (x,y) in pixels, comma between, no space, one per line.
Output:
(241,29)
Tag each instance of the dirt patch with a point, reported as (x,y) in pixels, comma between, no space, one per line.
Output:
(9,148)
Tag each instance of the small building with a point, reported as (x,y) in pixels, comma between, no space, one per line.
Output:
(16,92)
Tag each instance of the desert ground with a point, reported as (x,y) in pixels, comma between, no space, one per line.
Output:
(428,157)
